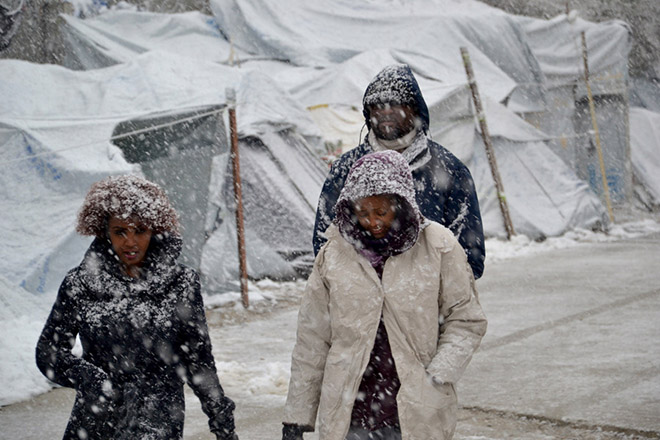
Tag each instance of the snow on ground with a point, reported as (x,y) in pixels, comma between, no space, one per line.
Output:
(521,245)
(19,332)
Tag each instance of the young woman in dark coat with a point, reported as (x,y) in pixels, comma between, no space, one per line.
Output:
(140,318)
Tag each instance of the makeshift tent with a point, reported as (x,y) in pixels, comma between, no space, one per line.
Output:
(178,156)
(320,35)
(427,37)
(293,80)
(645,146)
(557,45)
(530,169)
(55,138)
(120,35)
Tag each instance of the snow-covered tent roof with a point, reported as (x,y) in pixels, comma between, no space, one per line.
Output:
(55,129)
(561,200)
(118,36)
(320,35)
(557,45)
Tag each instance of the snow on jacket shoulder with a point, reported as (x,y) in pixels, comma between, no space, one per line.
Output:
(434,323)
(146,337)
(445,194)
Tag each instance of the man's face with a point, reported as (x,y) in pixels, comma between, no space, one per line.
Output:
(391,121)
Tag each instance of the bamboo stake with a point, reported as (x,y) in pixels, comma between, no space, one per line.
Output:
(508,225)
(592,110)
(231,104)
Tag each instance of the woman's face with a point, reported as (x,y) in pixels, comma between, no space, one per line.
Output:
(130,240)
(375,214)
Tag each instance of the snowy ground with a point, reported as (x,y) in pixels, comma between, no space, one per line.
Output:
(252,349)
(19,332)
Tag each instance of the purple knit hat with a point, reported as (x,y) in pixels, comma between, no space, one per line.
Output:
(380,173)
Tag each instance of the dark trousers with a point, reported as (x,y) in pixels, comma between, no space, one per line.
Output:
(379,434)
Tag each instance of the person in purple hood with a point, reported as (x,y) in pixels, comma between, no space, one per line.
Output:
(397,118)
(389,320)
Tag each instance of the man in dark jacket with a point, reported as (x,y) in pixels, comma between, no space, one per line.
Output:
(398,119)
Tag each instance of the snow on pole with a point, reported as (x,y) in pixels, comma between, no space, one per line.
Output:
(592,110)
(485,134)
(230,94)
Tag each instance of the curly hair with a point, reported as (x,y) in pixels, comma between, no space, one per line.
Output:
(126,197)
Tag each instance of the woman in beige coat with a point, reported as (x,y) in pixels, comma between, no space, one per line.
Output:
(389,320)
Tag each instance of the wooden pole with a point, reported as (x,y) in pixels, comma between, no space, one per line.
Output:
(592,110)
(508,225)
(238,197)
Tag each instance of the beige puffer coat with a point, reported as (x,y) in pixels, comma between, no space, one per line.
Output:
(434,323)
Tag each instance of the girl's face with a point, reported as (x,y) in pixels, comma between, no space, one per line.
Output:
(130,240)
(375,214)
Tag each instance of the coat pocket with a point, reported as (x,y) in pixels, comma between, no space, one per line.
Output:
(427,410)
(438,395)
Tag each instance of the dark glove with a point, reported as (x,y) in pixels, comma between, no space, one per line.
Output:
(222,424)
(293,432)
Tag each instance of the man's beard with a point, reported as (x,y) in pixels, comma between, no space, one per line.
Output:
(390,132)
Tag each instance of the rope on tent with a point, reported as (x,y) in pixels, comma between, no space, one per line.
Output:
(112,138)
(609,78)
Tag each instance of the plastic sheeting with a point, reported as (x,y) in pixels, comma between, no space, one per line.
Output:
(320,35)
(119,36)
(291,57)
(281,180)
(55,129)
(545,196)
(645,151)
(557,45)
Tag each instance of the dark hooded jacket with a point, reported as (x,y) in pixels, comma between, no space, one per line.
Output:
(141,340)
(445,191)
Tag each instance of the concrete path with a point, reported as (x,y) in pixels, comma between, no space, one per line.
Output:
(573,336)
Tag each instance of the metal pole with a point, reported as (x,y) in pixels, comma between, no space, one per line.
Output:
(231,104)
(508,225)
(592,110)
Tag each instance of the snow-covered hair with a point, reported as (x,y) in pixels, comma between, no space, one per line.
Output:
(381,173)
(126,197)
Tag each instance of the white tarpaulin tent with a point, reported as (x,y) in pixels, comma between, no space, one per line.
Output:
(529,169)
(645,146)
(290,57)
(320,35)
(351,54)
(557,45)
(55,130)
(121,35)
